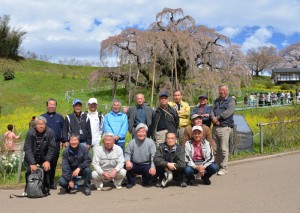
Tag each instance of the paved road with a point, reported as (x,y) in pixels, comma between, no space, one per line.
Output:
(269,185)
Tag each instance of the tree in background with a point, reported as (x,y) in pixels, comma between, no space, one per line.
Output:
(262,58)
(291,56)
(174,53)
(10,39)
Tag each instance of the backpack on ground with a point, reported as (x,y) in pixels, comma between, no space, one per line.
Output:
(35,185)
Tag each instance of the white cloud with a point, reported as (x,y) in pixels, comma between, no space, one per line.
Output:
(45,21)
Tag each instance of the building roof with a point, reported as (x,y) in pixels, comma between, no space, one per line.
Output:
(285,70)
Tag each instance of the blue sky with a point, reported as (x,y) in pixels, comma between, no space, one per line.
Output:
(75,28)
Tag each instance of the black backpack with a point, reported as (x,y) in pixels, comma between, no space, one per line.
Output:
(35,185)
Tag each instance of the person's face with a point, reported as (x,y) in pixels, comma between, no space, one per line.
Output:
(163,101)
(77,107)
(51,107)
(177,97)
(141,134)
(197,122)
(40,126)
(203,101)
(92,107)
(108,142)
(116,107)
(140,99)
(223,92)
(74,141)
(171,139)
(197,135)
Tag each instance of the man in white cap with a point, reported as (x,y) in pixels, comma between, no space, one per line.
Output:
(139,156)
(96,121)
(199,158)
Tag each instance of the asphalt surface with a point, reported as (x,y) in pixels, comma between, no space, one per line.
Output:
(268,184)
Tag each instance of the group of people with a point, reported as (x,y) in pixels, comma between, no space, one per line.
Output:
(170,143)
(270,98)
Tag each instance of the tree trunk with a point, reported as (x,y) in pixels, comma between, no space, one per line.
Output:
(153,79)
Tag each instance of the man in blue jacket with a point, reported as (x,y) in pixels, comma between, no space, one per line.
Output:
(116,122)
(76,161)
(203,110)
(55,121)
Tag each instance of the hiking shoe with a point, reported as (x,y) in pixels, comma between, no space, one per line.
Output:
(53,186)
(129,185)
(24,194)
(206,181)
(222,172)
(99,186)
(158,184)
(87,192)
(168,177)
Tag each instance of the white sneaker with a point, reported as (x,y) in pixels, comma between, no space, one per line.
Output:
(222,172)
(168,178)
(24,194)
(118,184)
(99,186)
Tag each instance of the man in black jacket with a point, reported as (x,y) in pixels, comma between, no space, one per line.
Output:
(169,161)
(77,123)
(165,119)
(39,149)
(76,161)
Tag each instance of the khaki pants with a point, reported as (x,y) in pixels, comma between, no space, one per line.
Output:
(160,137)
(221,136)
(180,132)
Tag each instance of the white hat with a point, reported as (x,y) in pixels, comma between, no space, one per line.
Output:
(92,101)
(141,125)
(197,128)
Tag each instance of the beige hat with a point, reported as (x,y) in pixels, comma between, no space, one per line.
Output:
(197,128)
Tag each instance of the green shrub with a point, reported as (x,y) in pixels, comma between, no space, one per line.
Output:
(285,86)
(8,74)
(269,85)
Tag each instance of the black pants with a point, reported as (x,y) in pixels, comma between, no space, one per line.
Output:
(53,163)
(177,174)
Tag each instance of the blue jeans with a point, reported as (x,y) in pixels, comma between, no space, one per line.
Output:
(86,173)
(122,145)
(138,169)
(209,171)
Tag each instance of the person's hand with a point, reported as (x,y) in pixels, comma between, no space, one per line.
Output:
(46,166)
(201,169)
(152,171)
(33,168)
(71,184)
(171,166)
(106,175)
(113,174)
(215,121)
(116,138)
(129,165)
(66,144)
(205,115)
(60,145)
(76,172)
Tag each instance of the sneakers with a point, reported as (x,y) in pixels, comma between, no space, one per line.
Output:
(183,184)
(129,185)
(100,187)
(168,177)
(222,172)
(24,194)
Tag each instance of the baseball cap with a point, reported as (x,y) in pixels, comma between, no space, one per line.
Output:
(197,128)
(203,96)
(195,116)
(141,125)
(163,94)
(92,101)
(76,101)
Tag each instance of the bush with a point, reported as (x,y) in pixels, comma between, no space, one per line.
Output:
(8,74)
(285,86)
(269,85)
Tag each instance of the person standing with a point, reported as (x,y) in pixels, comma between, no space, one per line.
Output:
(116,122)
(222,119)
(10,138)
(39,148)
(55,121)
(183,110)
(165,119)
(203,110)
(79,124)
(141,113)
(96,121)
